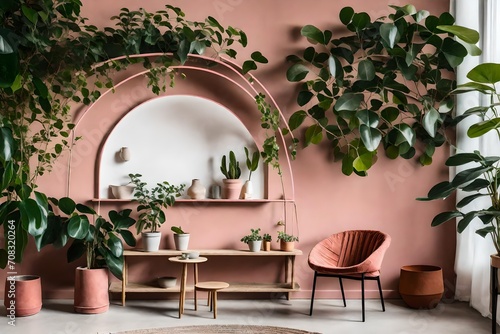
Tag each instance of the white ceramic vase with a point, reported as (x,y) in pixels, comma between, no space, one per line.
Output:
(196,190)
(247,190)
(181,241)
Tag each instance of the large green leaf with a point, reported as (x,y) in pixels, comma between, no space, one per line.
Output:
(406,134)
(32,217)
(371,137)
(85,209)
(462,159)
(368,117)
(466,200)
(471,87)
(480,128)
(366,70)
(296,72)
(7,176)
(313,135)
(440,191)
(313,34)
(120,221)
(465,221)
(76,250)
(465,34)
(115,245)
(78,226)
(258,57)
(363,162)
(485,73)
(67,205)
(390,34)
(128,237)
(485,231)
(360,20)
(349,102)
(6,144)
(115,264)
(468,175)
(297,119)
(346,15)
(476,185)
(453,51)
(431,122)
(445,216)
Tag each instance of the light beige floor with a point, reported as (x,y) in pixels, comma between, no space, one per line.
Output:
(329,316)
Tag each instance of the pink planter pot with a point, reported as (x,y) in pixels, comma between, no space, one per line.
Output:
(23,295)
(231,188)
(91,290)
(421,286)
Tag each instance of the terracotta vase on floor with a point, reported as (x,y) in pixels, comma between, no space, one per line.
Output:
(23,295)
(421,286)
(91,290)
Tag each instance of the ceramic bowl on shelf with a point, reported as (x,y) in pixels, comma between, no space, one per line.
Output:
(167,281)
(122,192)
(190,255)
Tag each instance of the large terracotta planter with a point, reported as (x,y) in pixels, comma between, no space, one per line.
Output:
(231,188)
(23,295)
(287,246)
(91,290)
(421,286)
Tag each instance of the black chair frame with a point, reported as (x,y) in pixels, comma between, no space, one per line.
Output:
(361,278)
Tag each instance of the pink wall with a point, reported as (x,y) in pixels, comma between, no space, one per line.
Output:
(327,201)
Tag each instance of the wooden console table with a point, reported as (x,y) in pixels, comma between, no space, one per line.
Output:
(289,285)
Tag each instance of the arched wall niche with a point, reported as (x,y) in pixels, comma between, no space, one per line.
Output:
(176,138)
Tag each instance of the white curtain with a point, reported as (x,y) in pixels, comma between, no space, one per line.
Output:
(473,252)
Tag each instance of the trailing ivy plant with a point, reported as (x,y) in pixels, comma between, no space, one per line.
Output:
(383,82)
(50,59)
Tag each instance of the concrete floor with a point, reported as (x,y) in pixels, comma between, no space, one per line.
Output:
(329,316)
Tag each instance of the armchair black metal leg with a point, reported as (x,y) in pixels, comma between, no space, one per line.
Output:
(381,295)
(363,295)
(312,296)
(342,290)
(494,298)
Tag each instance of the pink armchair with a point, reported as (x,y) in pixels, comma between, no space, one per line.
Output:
(353,255)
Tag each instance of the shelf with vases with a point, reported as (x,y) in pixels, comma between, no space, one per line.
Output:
(207,200)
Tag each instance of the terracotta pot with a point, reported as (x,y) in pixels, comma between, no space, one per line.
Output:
(23,295)
(231,188)
(421,286)
(91,290)
(266,245)
(287,246)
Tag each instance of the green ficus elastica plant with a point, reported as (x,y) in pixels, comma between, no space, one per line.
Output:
(380,84)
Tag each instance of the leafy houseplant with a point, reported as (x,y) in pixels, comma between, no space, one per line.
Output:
(151,202)
(254,240)
(386,81)
(231,170)
(480,174)
(286,241)
(101,243)
(181,238)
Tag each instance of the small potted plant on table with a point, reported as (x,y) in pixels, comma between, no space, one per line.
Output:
(254,240)
(231,184)
(151,202)
(287,241)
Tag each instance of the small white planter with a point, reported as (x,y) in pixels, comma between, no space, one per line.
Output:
(181,241)
(255,246)
(151,241)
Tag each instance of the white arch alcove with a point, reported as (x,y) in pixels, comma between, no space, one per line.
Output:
(176,138)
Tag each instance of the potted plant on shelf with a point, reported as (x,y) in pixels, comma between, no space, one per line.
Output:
(181,238)
(100,243)
(254,240)
(287,241)
(480,174)
(231,184)
(266,242)
(252,163)
(151,202)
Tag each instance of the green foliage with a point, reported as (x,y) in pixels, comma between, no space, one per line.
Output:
(152,201)
(387,82)
(177,230)
(480,175)
(267,237)
(252,162)
(101,242)
(282,236)
(254,236)
(231,170)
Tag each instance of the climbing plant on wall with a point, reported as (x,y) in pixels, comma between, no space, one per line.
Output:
(380,84)
(51,59)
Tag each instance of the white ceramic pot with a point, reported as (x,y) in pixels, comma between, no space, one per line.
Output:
(151,241)
(181,241)
(255,246)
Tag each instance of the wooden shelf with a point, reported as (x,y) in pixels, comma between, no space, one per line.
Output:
(208,200)
(211,252)
(116,287)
